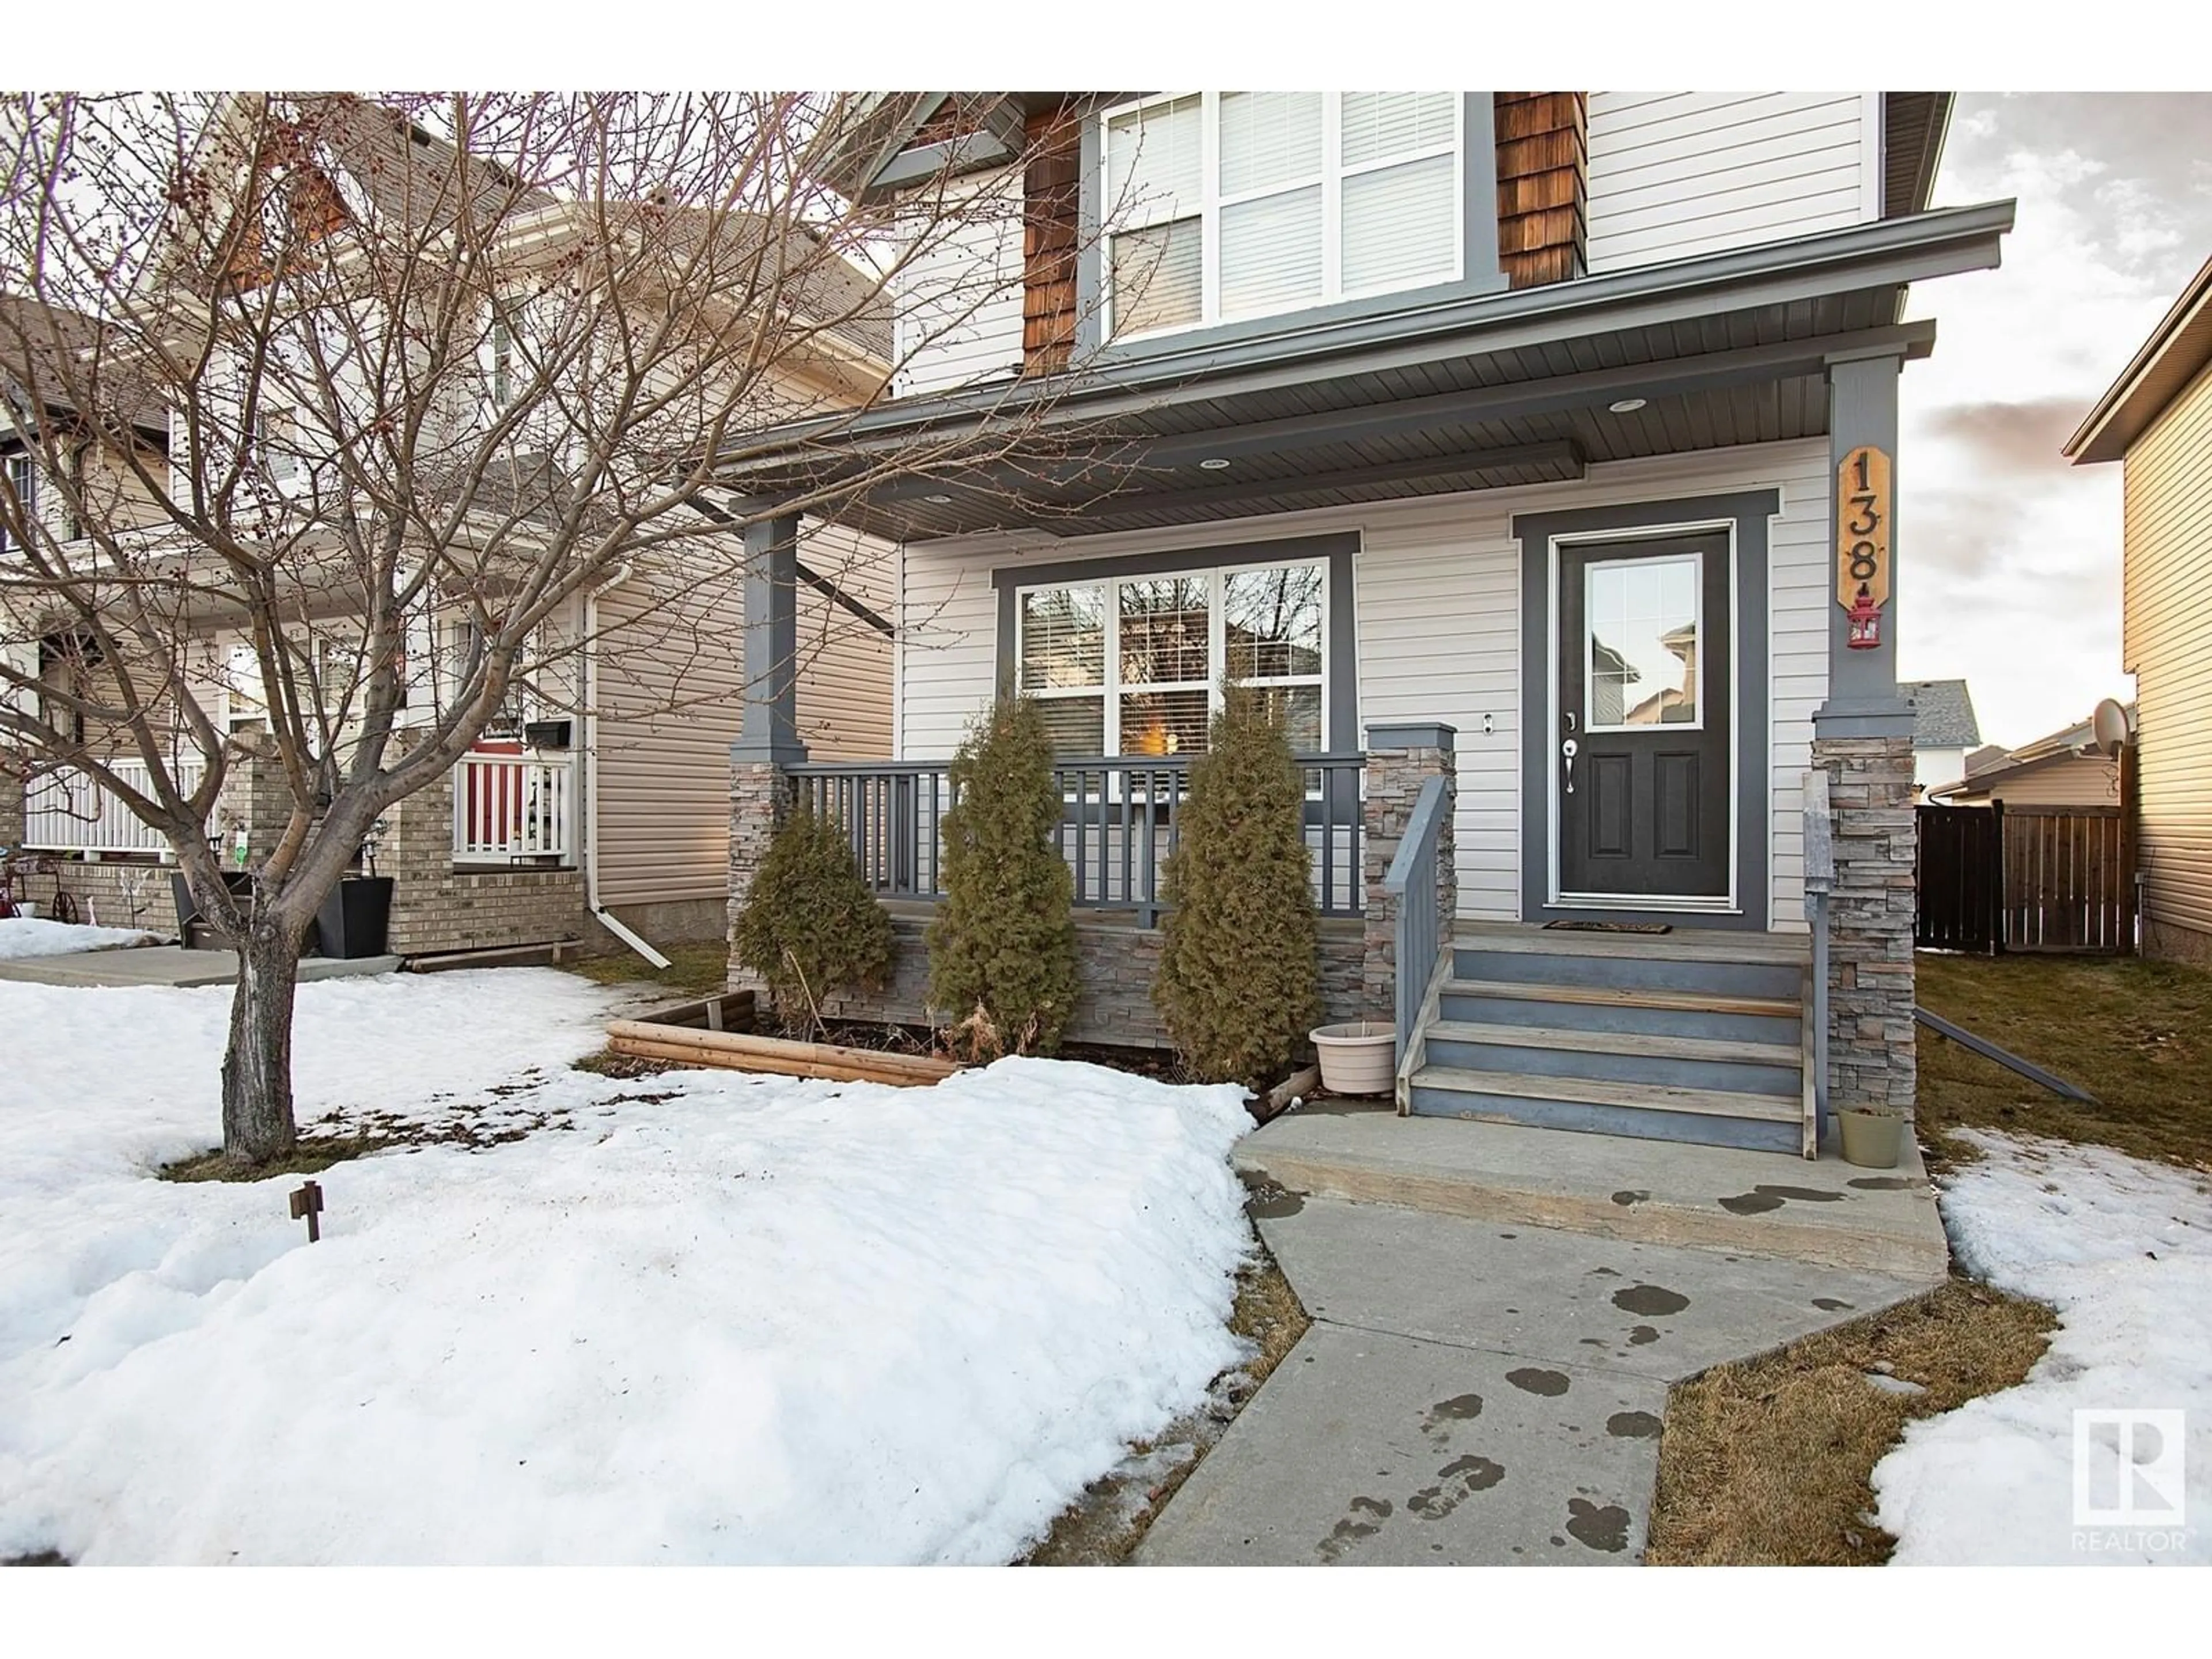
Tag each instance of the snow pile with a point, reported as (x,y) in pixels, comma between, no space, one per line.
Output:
(2122,1248)
(702,1317)
(33,936)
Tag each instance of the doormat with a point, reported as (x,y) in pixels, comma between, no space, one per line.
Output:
(1611,926)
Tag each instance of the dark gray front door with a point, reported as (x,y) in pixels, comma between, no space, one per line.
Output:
(1646,642)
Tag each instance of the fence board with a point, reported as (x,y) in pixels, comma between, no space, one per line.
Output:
(2028,879)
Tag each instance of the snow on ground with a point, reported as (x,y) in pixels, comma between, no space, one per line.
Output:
(2122,1248)
(700,1316)
(33,936)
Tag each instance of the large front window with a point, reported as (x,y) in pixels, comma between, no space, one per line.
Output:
(1228,204)
(1133,665)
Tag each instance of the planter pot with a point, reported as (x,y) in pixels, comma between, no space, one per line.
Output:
(1873,1140)
(356,919)
(1357,1059)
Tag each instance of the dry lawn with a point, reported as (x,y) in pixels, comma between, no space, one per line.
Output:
(1767,1463)
(2136,1034)
(693,971)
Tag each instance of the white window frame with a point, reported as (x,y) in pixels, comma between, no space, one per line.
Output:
(23,477)
(1112,689)
(1696,560)
(1143,216)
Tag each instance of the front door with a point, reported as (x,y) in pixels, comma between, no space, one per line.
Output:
(1641,753)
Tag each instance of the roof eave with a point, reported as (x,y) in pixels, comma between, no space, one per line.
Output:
(2120,416)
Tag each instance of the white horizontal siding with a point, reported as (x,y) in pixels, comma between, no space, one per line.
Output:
(957,302)
(1438,624)
(1680,173)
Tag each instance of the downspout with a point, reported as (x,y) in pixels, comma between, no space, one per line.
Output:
(605,918)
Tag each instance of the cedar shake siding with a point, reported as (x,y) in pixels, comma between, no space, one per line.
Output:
(1051,217)
(1543,186)
(2168,645)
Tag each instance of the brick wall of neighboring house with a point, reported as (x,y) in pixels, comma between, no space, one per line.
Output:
(436,908)
(11,808)
(1871,1052)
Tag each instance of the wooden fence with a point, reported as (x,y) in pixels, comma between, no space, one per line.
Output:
(2058,878)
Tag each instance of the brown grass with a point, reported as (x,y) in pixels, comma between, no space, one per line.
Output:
(308,1157)
(694,970)
(2137,1034)
(1768,1462)
(1106,1524)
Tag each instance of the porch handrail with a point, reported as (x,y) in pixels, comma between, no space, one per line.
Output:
(509,807)
(1121,818)
(68,809)
(1423,932)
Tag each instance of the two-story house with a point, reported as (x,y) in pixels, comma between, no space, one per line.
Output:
(596,801)
(1538,451)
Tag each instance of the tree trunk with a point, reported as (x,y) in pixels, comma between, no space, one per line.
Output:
(257,1068)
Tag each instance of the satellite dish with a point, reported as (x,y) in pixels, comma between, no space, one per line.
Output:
(2108,726)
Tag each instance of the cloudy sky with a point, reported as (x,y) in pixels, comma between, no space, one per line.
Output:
(2010,556)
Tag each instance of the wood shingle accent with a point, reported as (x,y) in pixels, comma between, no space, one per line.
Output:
(1051,215)
(1543,179)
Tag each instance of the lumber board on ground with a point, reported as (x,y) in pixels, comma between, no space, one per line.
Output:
(741,1051)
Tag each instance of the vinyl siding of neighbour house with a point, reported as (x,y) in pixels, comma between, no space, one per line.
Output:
(1437,590)
(2075,780)
(2168,639)
(1674,174)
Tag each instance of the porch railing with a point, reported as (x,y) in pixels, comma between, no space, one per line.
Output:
(507,808)
(70,811)
(1423,928)
(1121,818)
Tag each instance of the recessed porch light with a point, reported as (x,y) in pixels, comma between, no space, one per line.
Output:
(1213,464)
(1626,405)
(939,500)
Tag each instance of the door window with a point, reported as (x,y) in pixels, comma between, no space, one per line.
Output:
(1642,655)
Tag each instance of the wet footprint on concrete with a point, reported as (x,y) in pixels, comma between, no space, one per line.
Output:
(1530,1379)
(1363,1518)
(1829,1304)
(1599,1529)
(1882,1183)
(1629,1195)
(1460,1408)
(1632,1425)
(1457,1481)
(1650,1300)
(1638,1335)
(1760,1200)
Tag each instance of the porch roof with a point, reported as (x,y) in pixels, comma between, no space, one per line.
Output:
(1500,389)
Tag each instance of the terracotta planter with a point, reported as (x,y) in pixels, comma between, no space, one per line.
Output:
(1357,1059)
(1872,1139)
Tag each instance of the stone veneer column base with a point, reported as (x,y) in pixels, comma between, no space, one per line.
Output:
(759,794)
(1400,760)
(1872,1054)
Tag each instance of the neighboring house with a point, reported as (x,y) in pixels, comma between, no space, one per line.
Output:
(2063,769)
(600,791)
(1944,729)
(2156,420)
(1501,437)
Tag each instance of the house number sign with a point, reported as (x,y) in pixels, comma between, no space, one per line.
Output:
(1862,505)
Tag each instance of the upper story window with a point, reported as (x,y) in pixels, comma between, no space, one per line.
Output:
(1228,205)
(1134,666)
(502,368)
(23,480)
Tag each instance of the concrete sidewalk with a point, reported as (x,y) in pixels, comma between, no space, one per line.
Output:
(171,965)
(1473,1393)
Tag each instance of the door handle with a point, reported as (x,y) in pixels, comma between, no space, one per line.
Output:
(1571,749)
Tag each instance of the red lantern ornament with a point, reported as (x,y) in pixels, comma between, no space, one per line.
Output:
(1865,619)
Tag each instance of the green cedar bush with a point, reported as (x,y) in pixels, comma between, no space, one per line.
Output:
(1239,979)
(1002,945)
(811,926)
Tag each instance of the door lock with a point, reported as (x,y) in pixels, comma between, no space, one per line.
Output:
(1571,749)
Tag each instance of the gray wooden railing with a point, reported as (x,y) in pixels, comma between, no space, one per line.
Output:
(1423,930)
(1121,818)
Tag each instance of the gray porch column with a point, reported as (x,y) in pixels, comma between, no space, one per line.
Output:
(1863,738)
(768,740)
(1401,759)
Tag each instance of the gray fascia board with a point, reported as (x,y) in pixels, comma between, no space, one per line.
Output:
(947,158)
(1880,253)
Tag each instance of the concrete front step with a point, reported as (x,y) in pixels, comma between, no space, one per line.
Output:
(1727,1198)
(1666,1058)
(1578,1008)
(1771,1123)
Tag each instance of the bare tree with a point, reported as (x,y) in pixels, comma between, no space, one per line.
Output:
(378,391)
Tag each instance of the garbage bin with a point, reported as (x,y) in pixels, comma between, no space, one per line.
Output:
(356,919)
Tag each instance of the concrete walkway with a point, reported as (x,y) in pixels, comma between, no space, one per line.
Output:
(171,965)
(1476,1392)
